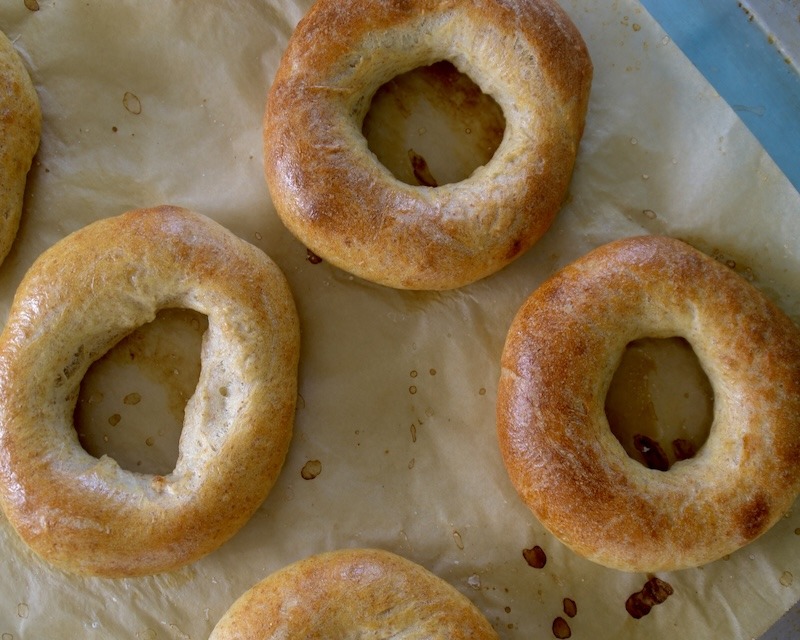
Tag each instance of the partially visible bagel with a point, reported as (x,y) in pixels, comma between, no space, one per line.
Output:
(20,130)
(79,298)
(561,352)
(353,593)
(333,194)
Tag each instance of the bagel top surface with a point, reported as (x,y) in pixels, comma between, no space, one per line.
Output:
(80,297)
(561,352)
(356,594)
(333,194)
(20,129)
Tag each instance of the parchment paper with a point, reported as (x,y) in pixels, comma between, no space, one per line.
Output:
(149,103)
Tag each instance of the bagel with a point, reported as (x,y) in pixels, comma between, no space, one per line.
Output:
(331,192)
(87,515)
(353,593)
(560,354)
(20,130)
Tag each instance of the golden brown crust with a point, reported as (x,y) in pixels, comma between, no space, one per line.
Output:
(560,354)
(20,128)
(88,515)
(333,194)
(355,593)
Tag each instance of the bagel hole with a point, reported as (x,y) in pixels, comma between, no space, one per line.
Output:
(660,402)
(433,125)
(132,400)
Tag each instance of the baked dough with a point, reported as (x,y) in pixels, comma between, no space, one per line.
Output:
(560,354)
(88,515)
(353,593)
(20,129)
(333,194)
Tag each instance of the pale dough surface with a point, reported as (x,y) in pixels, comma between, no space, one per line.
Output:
(20,128)
(397,390)
(84,513)
(357,594)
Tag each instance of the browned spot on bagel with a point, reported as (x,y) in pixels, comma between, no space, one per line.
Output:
(403,6)
(754,517)
(514,249)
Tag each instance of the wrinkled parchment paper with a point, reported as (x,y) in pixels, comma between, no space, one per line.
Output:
(162,103)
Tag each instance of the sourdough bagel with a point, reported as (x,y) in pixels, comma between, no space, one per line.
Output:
(333,194)
(81,296)
(354,593)
(20,129)
(560,354)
